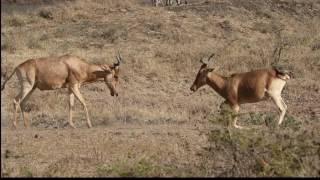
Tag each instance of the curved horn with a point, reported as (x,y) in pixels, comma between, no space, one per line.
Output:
(118,57)
(210,56)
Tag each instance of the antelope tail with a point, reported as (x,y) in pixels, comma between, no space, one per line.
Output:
(7,79)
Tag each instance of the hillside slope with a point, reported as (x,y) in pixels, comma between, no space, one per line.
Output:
(162,47)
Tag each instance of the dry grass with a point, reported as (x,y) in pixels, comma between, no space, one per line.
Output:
(161,47)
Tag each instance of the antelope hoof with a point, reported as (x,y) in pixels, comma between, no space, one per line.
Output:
(72,125)
(114,94)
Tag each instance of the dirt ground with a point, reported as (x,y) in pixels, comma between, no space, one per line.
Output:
(116,150)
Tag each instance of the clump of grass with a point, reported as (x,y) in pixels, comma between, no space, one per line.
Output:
(15,21)
(124,169)
(33,42)
(255,118)
(8,45)
(26,172)
(59,32)
(112,33)
(264,28)
(225,117)
(46,14)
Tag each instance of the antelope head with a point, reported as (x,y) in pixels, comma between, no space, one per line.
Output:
(112,79)
(201,78)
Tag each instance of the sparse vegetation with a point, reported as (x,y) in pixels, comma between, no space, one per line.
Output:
(141,168)
(156,127)
(34,42)
(15,21)
(265,152)
(8,45)
(25,171)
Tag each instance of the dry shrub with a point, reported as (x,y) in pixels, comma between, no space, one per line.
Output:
(8,45)
(14,20)
(113,33)
(46,13)
(33,42)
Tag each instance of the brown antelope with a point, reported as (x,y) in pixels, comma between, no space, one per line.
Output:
(66,71)
(247,87)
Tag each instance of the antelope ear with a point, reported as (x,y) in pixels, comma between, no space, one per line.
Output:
(105,67)
(113,67)
(210,69)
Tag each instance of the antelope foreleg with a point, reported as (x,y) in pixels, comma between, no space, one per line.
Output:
(71,104)
(78,95)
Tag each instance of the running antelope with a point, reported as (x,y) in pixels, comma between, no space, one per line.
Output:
(247,87)
(66,71)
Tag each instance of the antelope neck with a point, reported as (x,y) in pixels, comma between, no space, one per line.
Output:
(218,83)
(95,72)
